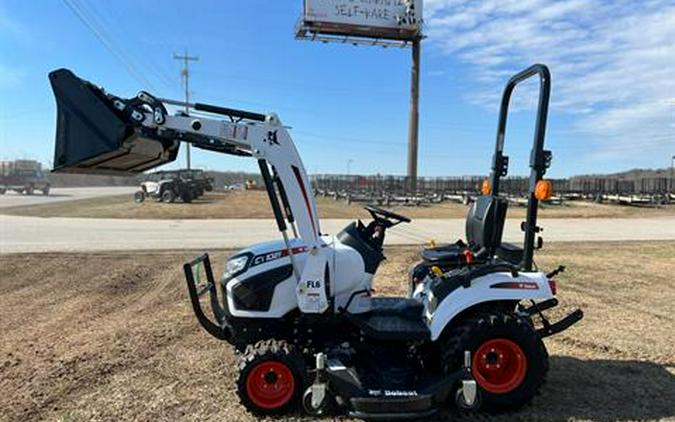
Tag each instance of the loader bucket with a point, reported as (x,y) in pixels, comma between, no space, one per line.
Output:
(93,137)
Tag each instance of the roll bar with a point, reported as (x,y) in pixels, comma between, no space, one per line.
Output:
(540,159)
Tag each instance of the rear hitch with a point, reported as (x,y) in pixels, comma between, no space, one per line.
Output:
(549,329)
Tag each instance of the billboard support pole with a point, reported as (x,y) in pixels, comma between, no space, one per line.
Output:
(413,122)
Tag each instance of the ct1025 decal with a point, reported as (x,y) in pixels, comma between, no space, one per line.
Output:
(273,256)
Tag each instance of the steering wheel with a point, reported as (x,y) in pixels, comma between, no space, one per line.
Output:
(382,214)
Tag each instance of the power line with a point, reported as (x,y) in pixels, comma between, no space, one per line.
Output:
(90,22)
(158,72)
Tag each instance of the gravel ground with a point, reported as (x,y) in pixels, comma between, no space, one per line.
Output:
(110,336)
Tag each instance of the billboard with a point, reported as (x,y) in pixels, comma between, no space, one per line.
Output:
(390,19)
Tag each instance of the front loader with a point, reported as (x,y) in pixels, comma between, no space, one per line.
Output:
(300,310)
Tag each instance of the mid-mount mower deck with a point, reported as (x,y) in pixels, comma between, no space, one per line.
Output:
(299,310)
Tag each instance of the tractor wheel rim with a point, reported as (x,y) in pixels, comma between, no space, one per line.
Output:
(270,385)
(499,366)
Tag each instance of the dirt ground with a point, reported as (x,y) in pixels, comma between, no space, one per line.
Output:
(112,337)
(254,204)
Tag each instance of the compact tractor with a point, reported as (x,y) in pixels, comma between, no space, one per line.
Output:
(300,311)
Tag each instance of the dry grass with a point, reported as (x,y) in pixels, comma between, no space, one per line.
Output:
(254,204)
(112,337)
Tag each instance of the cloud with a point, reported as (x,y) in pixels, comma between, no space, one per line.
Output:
(613,62)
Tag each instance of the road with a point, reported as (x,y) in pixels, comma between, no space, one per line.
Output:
(12,199)
(33,234)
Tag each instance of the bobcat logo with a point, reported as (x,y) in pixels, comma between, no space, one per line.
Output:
(272,138)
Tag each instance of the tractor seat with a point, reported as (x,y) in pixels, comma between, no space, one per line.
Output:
(510,253)
(396,306)
(484,228)
(445,254)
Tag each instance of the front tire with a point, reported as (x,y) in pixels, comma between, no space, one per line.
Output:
(271,378)
(139,196)
(509,360)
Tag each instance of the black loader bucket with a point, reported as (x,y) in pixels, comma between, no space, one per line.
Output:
(92,136)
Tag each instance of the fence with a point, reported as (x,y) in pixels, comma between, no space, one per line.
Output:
(389,186)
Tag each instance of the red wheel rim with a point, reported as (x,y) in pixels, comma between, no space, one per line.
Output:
(499,366)
(270,384)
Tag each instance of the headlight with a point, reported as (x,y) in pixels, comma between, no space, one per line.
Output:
(235,265)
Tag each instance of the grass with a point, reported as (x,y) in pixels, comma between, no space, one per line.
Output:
(254,204)
(111,336)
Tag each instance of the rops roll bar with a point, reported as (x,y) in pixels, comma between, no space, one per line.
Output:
(540,159)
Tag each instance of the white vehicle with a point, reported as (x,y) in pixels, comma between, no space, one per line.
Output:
(301,310)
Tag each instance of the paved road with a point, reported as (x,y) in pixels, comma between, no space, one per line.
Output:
(12,199)
(32,234)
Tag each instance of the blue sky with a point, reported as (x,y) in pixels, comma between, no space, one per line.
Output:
(613,66)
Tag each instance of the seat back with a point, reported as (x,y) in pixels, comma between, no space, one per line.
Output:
(485,222)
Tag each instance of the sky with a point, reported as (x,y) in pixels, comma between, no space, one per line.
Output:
(612,65)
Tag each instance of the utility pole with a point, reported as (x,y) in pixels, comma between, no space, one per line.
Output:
(672,174)
(413,122)
(185,78)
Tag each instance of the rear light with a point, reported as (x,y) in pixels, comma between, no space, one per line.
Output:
(553,285)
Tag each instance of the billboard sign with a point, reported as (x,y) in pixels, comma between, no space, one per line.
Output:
(390,19)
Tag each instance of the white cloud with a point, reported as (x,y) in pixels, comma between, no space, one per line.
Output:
(613,62)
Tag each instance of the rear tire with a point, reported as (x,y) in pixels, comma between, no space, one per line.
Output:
(509,359)
(271,378)
(168,196)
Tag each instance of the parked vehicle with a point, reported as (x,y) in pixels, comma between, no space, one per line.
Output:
(23,176)
(166,186)
(199,178)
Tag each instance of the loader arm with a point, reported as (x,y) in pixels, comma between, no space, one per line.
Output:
(268,142)
(98,132)
(101,133)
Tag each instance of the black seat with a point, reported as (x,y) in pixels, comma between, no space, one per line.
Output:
(484,229)
(510,253)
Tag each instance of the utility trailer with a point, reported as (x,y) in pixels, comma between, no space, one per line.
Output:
(23,176)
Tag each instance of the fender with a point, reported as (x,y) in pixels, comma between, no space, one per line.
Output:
(488,288)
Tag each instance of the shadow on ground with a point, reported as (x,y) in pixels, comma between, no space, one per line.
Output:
(599,390)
